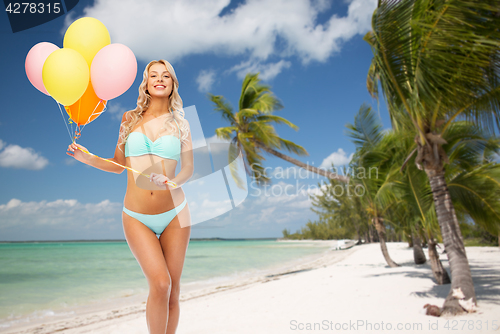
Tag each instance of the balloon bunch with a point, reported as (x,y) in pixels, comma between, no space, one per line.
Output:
(86,73)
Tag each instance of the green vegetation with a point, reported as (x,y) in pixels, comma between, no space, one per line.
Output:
(251,131)
(437,65)
(475,235)
(437,62)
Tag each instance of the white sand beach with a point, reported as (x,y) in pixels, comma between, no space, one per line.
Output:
(338,291)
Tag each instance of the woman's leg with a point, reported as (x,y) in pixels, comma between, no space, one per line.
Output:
(174,242)
(147,250)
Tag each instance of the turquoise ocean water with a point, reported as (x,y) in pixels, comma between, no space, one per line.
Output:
(43,279)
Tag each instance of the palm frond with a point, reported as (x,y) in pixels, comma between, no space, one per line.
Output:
(246,113)
(223,107)
(466,145)
(372,79)
(263,132)
(267,102)
(248,89)
(367,129)
(226,132)
(277,119)
(291,147)
(438,56)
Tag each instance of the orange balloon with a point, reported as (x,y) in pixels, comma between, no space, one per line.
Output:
(87,108)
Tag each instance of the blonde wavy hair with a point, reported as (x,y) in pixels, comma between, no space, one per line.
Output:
(133,117)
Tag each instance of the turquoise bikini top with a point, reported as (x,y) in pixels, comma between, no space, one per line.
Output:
(167,147)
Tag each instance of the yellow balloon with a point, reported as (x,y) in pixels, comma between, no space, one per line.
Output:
(65,75)
(87,36)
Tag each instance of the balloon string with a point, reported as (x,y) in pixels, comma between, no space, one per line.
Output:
(70,121)
(69,133)
(78,133)
(94,113)
(171,183)
(79,128)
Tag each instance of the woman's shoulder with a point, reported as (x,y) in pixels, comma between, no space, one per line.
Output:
(128,118)
(124,117)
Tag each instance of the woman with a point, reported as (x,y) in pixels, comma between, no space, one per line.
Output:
(153,207)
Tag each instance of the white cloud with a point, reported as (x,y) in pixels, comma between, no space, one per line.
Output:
(70,161)
(267,71)
(14,156)
(218,207)
(269,208)
(68,214)
(264,213)
(252,29)
(216,140)
(338,158)
(116,110)
(282,202)
(294,172)
(320,5)
(205,80)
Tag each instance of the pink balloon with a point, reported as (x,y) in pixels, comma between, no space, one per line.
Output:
(34,63)
(113,71)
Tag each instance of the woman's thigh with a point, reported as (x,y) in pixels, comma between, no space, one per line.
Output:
(146,248)
(174,242)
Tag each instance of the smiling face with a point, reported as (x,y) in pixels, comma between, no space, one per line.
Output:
(160,83)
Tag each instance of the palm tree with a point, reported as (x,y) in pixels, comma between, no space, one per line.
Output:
(344,214)
(473,177)
(438,61)
(473,181)
(372,153)
(416,200)
(251,130)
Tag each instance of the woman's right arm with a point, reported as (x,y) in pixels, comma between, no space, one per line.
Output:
(75,151)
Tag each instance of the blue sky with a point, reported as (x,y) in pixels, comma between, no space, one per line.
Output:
(310,52)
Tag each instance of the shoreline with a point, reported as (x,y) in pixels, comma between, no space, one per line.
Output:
(106,310)
(341,290)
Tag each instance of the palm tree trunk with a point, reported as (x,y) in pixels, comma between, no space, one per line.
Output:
(418,253)
(322,172)
(373,234)
(453,242)
(410,240)
(440,274)
(356,227)
(381,235)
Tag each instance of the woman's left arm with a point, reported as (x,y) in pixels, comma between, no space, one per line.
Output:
(187,164)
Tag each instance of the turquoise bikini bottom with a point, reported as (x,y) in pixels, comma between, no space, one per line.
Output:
(156,223)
